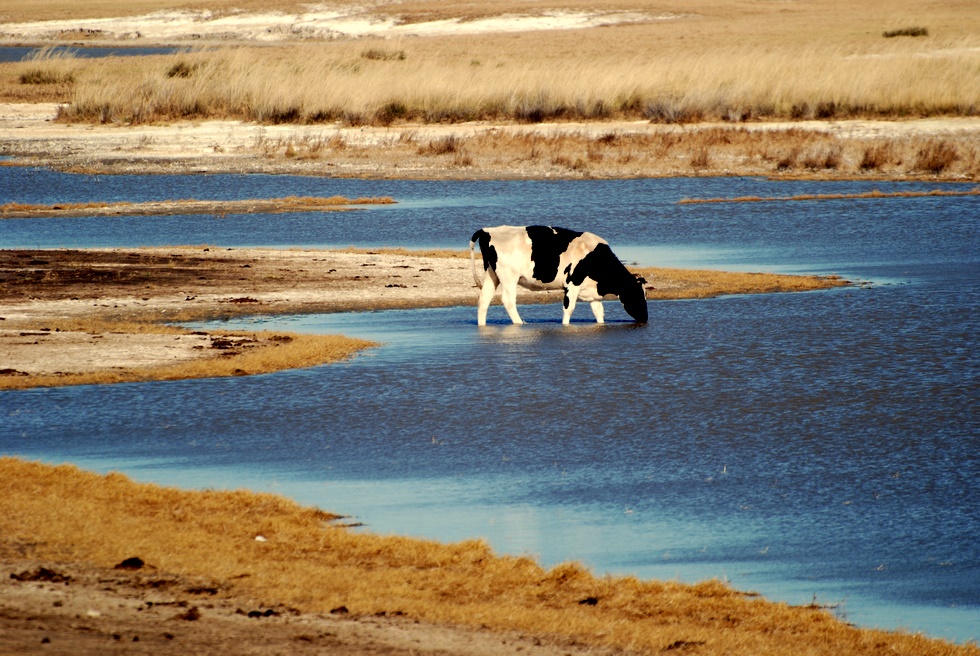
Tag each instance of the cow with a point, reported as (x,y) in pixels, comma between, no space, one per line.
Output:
(542,257)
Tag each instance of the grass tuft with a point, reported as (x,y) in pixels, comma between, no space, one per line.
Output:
(383,54)
(906,31)
(935,156)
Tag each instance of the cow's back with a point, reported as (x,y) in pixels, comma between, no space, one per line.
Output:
(538,256)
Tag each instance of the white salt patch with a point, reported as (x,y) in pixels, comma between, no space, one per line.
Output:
(323,24)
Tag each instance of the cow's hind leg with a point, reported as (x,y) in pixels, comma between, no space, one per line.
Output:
(486,295)
(508,296)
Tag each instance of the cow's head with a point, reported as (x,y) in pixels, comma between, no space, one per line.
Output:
(612,277)
(634,299)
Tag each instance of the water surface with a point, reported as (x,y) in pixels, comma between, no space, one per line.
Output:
(822,444)
(24,53)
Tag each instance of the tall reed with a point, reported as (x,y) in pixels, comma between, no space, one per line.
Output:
(335,82)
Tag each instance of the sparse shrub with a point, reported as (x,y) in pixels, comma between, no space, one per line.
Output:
(701,158)
(383,54)
(877,156)
(788,159)
(443,146)
(181,69)
(935,156)
(906,31)
(664,112)
(825,110)
(280,115)
(829,158)
(461,158)
(390,112)
(593,151)
(42,76)
(664,142)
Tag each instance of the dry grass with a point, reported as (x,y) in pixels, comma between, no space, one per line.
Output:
(582,151)
(334,82)
(669,283)
(61,513)
(874,193)
(710,60)
(191,206)
(742,64)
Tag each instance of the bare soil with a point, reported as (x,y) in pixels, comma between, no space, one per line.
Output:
(42,292)
(73,608)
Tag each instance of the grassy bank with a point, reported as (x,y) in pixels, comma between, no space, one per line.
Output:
(305,562)
(429,83)
(693,150)
(684,62)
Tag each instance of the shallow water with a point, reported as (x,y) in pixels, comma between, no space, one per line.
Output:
(821,444)
(23,53)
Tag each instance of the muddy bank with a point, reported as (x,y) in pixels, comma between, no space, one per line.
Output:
(71,317)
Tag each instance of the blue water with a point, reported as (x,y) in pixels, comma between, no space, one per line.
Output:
(810,445)
(23,53)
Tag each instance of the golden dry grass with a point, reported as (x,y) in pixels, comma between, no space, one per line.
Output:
(874,193)
(669,283)
(191,206)
(334,82)
(591,151)
(710,60)
(62,513)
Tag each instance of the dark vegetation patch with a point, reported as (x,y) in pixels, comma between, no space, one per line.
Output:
(906,31)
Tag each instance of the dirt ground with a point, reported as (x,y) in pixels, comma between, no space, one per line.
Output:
(42,290)
(73,609)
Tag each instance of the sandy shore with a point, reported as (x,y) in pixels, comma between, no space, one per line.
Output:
(45,293)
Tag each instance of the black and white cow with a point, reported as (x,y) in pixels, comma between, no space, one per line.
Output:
(542,257)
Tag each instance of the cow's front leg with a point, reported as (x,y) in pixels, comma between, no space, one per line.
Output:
(599,311)
(571,296)
(508,296)
(486,295)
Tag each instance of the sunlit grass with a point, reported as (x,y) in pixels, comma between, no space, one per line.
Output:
(191,206)
(334,82)
(669,283)
(873,194)
(309,564)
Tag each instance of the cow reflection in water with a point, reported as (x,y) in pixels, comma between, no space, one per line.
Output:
(542,258)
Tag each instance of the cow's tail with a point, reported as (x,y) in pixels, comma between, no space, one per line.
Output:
(473,241)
